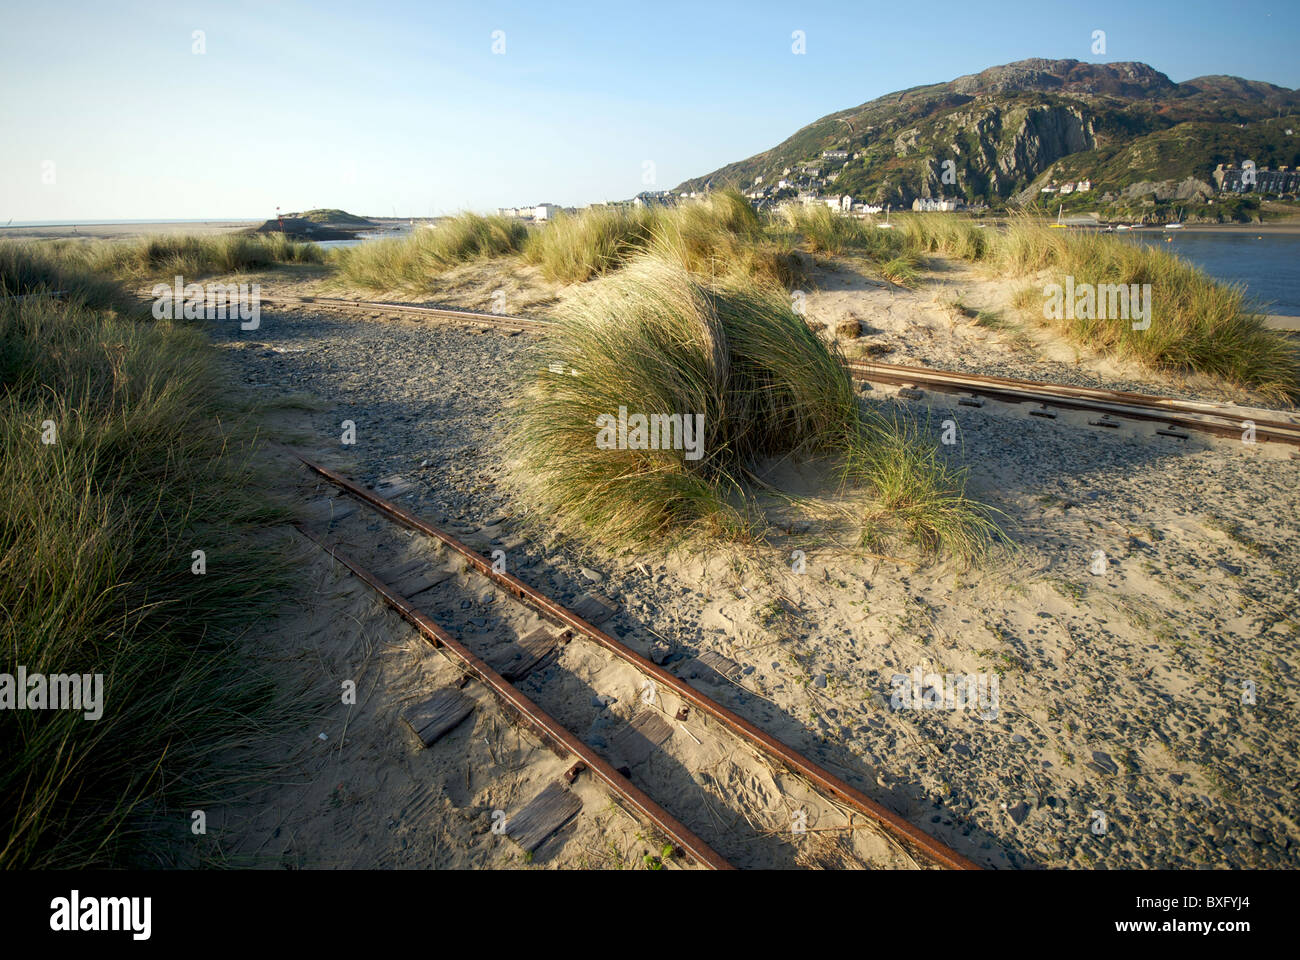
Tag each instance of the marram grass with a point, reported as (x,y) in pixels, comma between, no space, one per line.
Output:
(656,339)
(97,533)
(414,261)
(1196,322)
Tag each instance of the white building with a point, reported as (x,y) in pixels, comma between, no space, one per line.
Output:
(1083,186)
(545,211)
(933,205)
(1067,188)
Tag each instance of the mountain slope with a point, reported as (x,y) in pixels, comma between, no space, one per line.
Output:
(996,135)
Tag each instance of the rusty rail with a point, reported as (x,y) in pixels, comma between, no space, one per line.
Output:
(536,717)
(1191,414)
(769,745)
(1194,415)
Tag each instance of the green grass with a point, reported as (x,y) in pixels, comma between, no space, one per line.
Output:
(574,248)
(718,236)
(96,537)
(1197,323)
(827,231)
(902,270)
(414,260)
(658,339)
(190,257)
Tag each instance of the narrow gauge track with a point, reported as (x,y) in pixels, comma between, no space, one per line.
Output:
(1186,414)
(558,705)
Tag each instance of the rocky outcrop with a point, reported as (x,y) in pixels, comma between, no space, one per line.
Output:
(1187,189)
(1045,135)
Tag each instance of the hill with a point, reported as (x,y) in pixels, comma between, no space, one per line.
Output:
(997,136)
(334,218)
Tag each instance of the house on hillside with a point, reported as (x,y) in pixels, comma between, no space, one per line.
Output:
(934,205)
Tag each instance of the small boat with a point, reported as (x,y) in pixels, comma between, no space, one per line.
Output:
(886,225)
(1175,224)
(1058,225)
(1123,226)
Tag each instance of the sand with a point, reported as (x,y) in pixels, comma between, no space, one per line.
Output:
(1147,714)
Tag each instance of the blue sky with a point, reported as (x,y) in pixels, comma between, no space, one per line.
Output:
(379,106)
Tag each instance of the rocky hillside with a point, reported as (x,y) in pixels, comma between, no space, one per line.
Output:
(999,135)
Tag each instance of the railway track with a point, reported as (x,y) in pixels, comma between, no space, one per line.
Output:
(543,661)
(1174,416)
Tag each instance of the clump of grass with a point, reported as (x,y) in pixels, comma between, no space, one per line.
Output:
(721,236)
(189,256)
(717,236)
(902,270)
(97,531)
(574,248)
(827,231)
(37,270)
(1196,323)
(657,339)
(413,260)
(949,235)
(919,492)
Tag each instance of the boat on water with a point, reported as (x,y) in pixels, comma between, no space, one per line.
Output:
(1177,223)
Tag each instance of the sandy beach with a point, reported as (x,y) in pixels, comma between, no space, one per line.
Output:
(125,231)
(1120,690)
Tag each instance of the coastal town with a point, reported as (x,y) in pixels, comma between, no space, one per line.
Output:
(812,184)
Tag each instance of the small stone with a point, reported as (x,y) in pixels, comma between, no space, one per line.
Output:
(659,652)
(1018,812)
(1017,738)
(592,575)
(1102,763)
(819,681)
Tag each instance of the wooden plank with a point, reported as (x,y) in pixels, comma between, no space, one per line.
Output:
(331,509)
(390,488)
(595,608)
(545,813)
(440,714)
(710,667)
(514,661)
(421,580)
(392,575)
(644,734)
